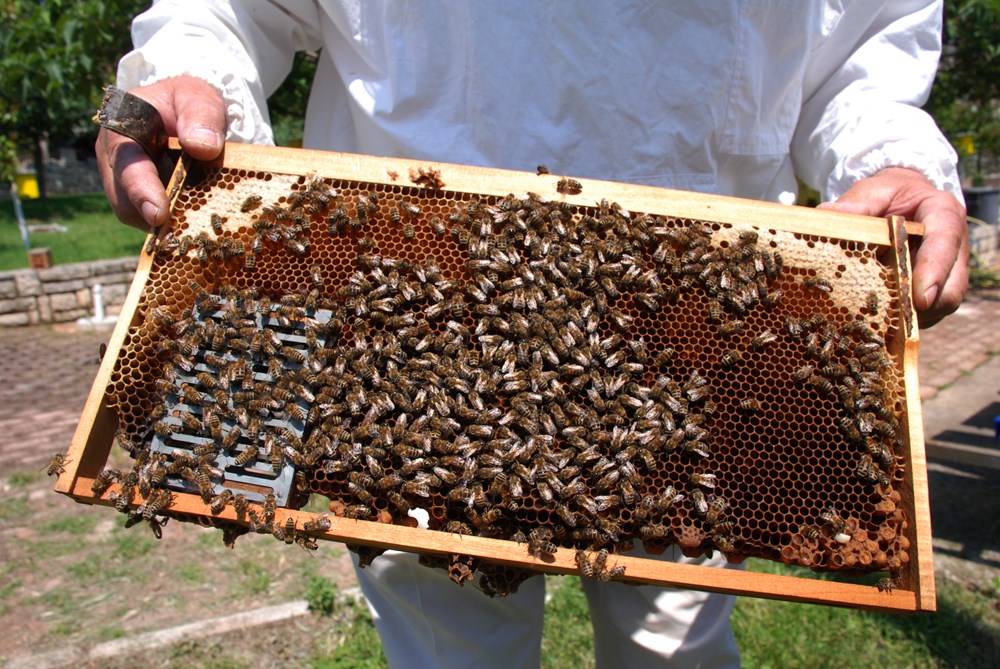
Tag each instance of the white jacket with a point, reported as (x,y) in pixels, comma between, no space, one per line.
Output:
(726,96)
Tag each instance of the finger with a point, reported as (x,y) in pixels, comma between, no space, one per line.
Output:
(192,110)
(950,298)
(940,268)
(855,201)
(132,182)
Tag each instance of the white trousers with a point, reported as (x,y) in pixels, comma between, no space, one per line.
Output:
(427,622)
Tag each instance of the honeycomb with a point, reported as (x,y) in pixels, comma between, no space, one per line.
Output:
(554,375)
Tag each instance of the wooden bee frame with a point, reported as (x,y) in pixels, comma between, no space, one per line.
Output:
(915,589)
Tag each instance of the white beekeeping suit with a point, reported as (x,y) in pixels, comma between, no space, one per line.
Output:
(735,97)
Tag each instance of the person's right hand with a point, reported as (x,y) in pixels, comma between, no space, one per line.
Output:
(192,111)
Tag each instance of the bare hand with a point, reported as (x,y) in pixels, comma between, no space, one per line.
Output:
(941,264)
(193,111)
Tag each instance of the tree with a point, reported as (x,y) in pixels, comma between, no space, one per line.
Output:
(287,105)
(55,58)
(965,100)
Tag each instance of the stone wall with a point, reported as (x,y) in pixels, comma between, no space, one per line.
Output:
(63,293)
(68,176)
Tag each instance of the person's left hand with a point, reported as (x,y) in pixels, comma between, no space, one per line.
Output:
(941,263)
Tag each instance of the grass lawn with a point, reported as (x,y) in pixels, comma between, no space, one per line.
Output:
(962,633)
(93,232)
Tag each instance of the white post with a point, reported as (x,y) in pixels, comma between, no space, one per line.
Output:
(19,215)
(98,294)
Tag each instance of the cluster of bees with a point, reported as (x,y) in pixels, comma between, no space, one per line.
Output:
(518,399)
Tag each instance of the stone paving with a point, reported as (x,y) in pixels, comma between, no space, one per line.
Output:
(45,377)
(46,374)
(959,343)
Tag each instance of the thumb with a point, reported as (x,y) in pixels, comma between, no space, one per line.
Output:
(192,110)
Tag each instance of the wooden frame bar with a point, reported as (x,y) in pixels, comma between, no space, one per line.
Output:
(91,444)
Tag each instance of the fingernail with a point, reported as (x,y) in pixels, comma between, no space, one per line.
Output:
(149,212)
(931,295)
(204,137)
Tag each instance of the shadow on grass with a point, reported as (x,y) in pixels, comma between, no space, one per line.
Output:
(953,635)
(963,632)
(964,504)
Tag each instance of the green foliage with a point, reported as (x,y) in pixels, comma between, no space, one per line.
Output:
(19,479)
(132,543)
(287,105)
(8,160)
(7,585)
(12,506)
(965,100)
(984,277)
(321,593)
(962,633)
(567,639)
(55,57)
(256,580)
(361,648)
(78,525)
(192,572)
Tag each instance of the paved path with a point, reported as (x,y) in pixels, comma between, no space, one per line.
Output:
(45,377)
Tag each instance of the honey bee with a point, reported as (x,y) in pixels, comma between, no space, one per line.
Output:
(889,583)
(668,498)
(703,479)
(214,424)
(818,283)
(821,384)
(831,518)
(871,303)
(539,542)
(764,340)
(585,566)
(796,327)
(219,501)
(317,524)
(716,508)
(287,531)
(297,247)
(216,222)
(868,472)
(732,328)
(714,310)
(730,359)
(722,542)
(358,511)
(699,502)
(698,393)
(569,187)
(160,500)
(654,531)
(270,503)
(750,405)
(803,373)
(240,503)
(103,481)
(165,429)
(810,532)
(57,465)
(251,202)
